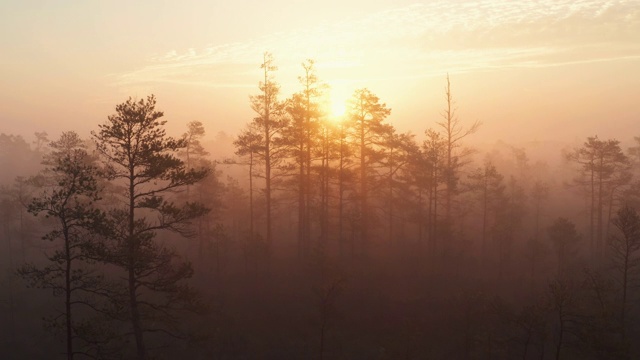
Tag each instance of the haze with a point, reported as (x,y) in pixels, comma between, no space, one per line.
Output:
(330,180)
(544,70)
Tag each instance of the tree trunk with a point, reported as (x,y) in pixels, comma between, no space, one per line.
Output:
(364,211)
(434,220)
(485,207)
(560,333)
(592,213)
(67,288)
(625,274)
(301,205)
(251,234)
(340,193)
(267,190)
(267,151)
(600,205)
(133,298)
(309,144)
(324,190)
(307,187)
(391,196)
(420,215)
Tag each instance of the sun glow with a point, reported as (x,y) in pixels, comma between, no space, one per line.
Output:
(338,103)
(338,109)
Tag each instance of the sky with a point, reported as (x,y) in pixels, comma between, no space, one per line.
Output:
(528,70)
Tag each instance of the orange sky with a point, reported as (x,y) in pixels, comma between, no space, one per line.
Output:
(529,70)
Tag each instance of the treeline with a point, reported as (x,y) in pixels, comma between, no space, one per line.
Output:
(344,239)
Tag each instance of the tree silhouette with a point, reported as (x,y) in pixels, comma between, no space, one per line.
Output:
(301,137)
(366,115)
(269,122)
(454,132)
(624,249)
(564,238)
(248,145)
(601,164)
(69,189)
(194,152)
(138,155)
(345,176)
(399,150)
(430,174)
(562,302)
(487,184)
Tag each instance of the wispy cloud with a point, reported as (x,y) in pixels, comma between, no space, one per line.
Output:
(419,40)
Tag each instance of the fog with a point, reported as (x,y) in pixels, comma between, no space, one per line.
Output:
(438,180)
(496,249)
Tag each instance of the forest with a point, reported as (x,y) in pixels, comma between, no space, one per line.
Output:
(318,235)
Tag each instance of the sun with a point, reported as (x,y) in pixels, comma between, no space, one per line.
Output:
(338,102)
(338,108)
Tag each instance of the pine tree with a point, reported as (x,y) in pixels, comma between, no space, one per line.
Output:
(366,116)
(139,157)
(602,168)
(69,189)
(269,122)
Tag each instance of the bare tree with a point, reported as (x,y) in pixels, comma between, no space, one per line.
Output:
(456,157)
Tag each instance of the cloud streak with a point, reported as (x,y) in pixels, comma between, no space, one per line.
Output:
(419,41)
